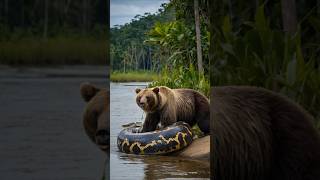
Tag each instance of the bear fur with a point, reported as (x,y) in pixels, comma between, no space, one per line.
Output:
(96,119)
(259,135)
(167,106)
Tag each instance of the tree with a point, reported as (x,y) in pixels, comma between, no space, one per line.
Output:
(127,42)
(289,16)
(198,36)
(45,24)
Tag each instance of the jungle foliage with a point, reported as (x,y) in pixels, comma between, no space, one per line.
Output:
(250,47)
(127,48)
(183,77)
(164,42)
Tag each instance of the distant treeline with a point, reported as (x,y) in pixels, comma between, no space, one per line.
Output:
(45,32)
(51,17)
(127,48)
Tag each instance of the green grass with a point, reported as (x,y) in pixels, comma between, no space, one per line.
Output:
(183,77)
(133,76)
(197,133)
(58,50)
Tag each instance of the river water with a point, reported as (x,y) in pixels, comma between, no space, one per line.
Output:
(41,133)
(123,166)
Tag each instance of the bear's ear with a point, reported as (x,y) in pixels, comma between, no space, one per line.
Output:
(88,91)
(156,90)
(138,90)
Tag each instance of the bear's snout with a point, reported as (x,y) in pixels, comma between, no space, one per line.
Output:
(103,138)
(142,102)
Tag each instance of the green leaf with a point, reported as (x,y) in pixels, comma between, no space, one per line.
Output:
(228,48)
(260,19)
(180,37)
(315,23)
(226,27)
(291,71)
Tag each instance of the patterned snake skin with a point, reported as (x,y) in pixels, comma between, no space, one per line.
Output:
(164,141)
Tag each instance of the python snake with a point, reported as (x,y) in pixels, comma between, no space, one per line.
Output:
(170,139)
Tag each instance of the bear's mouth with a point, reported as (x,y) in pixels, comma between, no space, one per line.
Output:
(102,139)
(143,107)
(104,147)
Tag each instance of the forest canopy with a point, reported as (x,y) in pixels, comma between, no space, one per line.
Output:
(171,42)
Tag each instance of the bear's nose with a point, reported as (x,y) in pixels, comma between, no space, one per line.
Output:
(103,137)
(141,104)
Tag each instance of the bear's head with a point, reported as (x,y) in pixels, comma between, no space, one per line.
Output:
(148,99)
(96,120)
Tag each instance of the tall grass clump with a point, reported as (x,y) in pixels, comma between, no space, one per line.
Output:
(177,56)
(183,77)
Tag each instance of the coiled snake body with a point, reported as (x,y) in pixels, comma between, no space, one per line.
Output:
(167,140)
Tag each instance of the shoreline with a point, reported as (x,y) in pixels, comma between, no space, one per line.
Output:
(67,71)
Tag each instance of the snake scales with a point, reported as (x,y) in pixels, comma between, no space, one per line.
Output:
(164,141)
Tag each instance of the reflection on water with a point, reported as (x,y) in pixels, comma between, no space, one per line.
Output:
(123,166)
(41,133)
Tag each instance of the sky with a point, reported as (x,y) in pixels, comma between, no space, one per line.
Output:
(122,11)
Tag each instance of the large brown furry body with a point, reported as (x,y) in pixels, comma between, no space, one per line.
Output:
(168,106)
(261,135)
(96,119)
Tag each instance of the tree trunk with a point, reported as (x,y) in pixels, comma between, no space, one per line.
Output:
(318,7)
(136,55)
(45,24)
(230,9)
(289,16)
(149,59)
(6,12)
(124,64)
(198,36)
(131,57)
(84,16)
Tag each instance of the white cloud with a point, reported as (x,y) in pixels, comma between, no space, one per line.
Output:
(122,11)
(125,10)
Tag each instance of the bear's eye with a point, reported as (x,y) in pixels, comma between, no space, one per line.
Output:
(148,98)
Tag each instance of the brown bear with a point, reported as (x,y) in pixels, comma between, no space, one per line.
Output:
(96,119)
(259,135)
(167,106)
